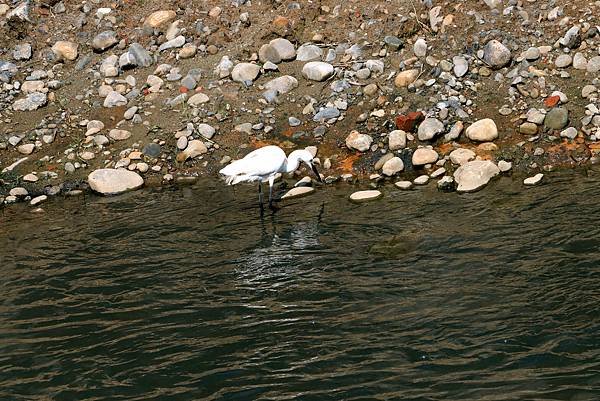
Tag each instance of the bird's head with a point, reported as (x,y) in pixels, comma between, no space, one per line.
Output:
(306,157)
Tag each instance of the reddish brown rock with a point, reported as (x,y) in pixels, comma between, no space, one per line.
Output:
(409,122)
(551,101)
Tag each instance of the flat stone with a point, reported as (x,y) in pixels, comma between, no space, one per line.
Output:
(119,134)
(393,166)
(528,128)
(363,196)
(194,149)
(421,180)
(397,140)
(474,175)
(423,156)
(109,181)
(38,199)
(326,113)
(104,40)
(429,129)
(587,90)
(531,54)
(22,52)
(579,61)
(536,179)
(317,70)
(484,130)
(30,178)
(405,78)
(151,150)
(33,101)
(298,192)
(245,72)
(277,50)
(358,141)
(18,191)
(404,185)
(504,166)
(496,55)
(143,58)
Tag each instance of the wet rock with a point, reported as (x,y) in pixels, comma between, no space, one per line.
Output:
(358,141)
(33,101)
(474,175)
(423,156)
(397,140)
(160,18)
(421,180)
(405,78)
(309,53)
(108,181)
(65,50)
(277,50)
(404,185)
(38,199)
(557,118)
(536,179)
(151,150)
(104,40)
(298,192)
(429,129)
(482,131)
(317,70)
(392,166)
(245,72)
(363,196)
(496,55)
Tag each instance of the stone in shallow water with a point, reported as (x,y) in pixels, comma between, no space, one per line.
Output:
(109,181)
(298,192)
(536,179)
(364,196)
(404,185)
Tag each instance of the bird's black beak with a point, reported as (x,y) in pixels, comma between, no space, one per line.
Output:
(314,169)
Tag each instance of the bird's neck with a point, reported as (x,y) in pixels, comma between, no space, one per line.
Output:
(291,164)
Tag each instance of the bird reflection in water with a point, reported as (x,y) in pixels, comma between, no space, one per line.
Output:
(279,253)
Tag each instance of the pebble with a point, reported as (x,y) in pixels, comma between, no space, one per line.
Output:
(482,130)
(358,141)
(461,156)
(536,179)
(22,52)
(104,40)
(429,129)
(38,199)
(570,133)
(172,44)
(405,78)
(119,134)
(504,166)
(393,166)
(198,99)
(65,50)
(317,70)
(397,140)
(205,130)
(461,66)
(33,101)
(421,180)
(160,18)
(420,47)
(114,99)
(283,84)
(277,50)
(309,53)
(446,183)
(363,196)
(557,118)
(496,55)
(528,128)
(563,61)
(423,156)
(326,114)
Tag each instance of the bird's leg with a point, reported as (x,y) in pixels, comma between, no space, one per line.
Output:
(271,182)
(260,194)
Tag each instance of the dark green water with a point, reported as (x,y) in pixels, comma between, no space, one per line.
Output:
(187,294)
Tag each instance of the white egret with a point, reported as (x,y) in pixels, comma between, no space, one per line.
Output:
(263,164)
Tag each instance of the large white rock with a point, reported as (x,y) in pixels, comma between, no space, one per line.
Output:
(429,129)
(317,70)
(392,166)
(397,140)
(461,156)
(282,84)
(363,196)
(475,175)
(276,51)
(298,192)
(483,130)
(109,181)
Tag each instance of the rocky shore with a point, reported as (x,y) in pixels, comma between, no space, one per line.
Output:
(110,97)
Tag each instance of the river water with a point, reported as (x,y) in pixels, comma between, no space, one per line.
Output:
(189,294)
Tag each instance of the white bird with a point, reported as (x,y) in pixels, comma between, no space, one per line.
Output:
(263,164)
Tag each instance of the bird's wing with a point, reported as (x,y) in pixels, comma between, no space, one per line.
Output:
(260,162)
